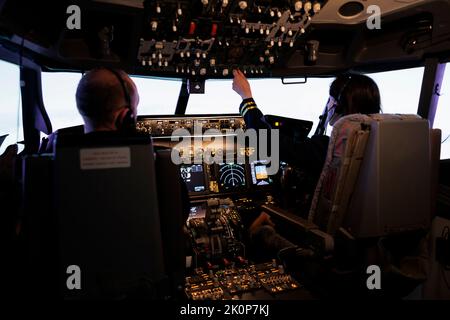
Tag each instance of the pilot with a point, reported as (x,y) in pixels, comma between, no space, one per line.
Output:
(349,94)
(107,99)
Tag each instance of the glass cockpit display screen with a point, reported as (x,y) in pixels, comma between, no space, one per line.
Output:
(194,177)
(260,176)
(231,176)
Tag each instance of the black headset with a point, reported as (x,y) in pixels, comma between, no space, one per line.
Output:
(128,123)
(339,103)
(321,128)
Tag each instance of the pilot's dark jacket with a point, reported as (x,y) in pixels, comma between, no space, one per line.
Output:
(307,156)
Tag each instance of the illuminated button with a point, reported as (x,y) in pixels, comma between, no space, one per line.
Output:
(243,5)
(317,7)
(308,6)
(154,25)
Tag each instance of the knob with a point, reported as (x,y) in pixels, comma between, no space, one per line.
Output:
(317,7)
(298,5)
(154,25)
(308,6)
(243,5)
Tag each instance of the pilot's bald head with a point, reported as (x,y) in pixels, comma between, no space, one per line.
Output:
(101,99)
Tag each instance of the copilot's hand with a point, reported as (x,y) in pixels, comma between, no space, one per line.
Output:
(241,85)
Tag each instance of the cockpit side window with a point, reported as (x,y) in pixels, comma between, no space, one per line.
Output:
(400,90)
(442,119)
(10,105)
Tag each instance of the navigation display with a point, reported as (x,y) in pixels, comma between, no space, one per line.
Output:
(231,176)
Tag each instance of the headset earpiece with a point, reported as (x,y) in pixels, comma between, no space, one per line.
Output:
(127,123)
(339,105)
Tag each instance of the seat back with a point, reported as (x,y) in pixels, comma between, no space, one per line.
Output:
(107,212)
(174,209)
(376,180)
(435,157)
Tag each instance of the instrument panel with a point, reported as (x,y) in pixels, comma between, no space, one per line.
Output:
(207,38)
(166,126)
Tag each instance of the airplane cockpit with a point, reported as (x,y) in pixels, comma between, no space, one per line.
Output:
(203,193)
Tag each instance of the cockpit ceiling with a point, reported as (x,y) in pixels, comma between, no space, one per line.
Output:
(208,38)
